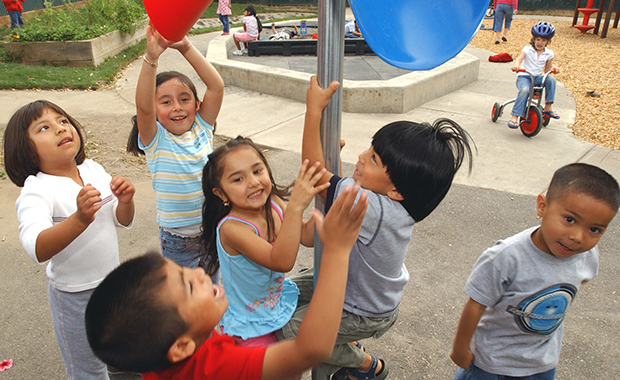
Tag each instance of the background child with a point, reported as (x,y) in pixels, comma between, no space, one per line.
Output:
(175,130)
(223,11)
(286,34)
(407,171)
(15,9)
(150,313)
(537,59)
(351,30)
(67,211)
(521,287)
(252,28)
(256,237)
(504,10)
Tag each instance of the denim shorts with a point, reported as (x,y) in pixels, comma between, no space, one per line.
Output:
(475,373)
(502,12)
(185,251)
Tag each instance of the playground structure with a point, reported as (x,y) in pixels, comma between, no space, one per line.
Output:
(589,10)
(534,118)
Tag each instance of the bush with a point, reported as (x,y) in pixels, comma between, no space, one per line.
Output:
(92,19)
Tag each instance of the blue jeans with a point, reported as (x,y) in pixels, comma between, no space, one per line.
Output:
(524,83)
(17,20)
(502,12)
(224,20)
(475,373)
(185,251)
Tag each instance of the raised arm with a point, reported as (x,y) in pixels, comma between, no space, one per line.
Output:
(145,88)
(311,147)
(214,95)
(317,332)
(237,237)
(461,355)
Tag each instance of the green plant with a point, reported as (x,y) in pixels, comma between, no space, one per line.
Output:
(92,19)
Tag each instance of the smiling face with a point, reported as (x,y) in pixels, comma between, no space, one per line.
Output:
(200,303)
(56,141)
(571,223)
(176,106)
(372,175)
(245,180)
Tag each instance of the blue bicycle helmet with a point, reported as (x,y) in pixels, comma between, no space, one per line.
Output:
(543,29)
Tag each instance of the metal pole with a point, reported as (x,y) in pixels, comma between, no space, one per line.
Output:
(330,57)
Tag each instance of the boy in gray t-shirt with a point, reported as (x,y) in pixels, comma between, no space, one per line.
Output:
(406,172)
(520,288)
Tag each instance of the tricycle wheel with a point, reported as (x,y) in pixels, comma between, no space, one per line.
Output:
(495,112)
(546,120)
(532,123)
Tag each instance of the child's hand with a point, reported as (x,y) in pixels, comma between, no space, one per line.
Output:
(122,188)
(88,203)
(340,227)
(304,189)
(557,69)
(316,97)
(463,360)
(514,69)
(182,46)
(155,43)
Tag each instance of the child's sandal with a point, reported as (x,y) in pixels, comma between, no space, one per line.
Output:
(354,373)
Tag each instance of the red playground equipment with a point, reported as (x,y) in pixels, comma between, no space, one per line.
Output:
(602,10)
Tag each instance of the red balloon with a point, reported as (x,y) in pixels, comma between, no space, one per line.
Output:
(173,19)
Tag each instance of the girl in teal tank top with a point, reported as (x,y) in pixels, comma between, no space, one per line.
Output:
(254,236)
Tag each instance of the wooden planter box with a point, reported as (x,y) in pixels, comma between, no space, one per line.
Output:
(74,53)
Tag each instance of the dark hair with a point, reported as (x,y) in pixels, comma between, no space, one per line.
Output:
(132,142)
(585,179)
(128,326)
(252,11)
(20,153)
(421,160)
(213,209)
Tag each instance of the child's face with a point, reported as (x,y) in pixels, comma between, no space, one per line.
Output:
(246,13)
(199,302)
(175,106)
(371,173)
(571,223)
(245,180)
(56,141)
(540,43)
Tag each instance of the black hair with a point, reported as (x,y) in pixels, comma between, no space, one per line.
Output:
(128,326)
(20,154)
(213,209)
(252,11)
(585,179)
(421,160)
(132,141)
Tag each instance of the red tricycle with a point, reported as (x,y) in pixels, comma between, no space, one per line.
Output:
(534,118)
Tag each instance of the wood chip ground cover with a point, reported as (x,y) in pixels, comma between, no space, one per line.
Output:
(587,63)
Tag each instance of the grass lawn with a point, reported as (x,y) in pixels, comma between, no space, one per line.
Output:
(20,77)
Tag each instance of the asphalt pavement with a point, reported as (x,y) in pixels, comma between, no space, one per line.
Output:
(495,201)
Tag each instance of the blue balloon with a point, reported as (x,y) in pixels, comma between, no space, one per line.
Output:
(418,34)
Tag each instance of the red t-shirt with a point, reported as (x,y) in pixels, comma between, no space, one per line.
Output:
(217,358)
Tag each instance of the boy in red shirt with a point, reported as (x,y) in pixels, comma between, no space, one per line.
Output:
(152,316)
(15,9)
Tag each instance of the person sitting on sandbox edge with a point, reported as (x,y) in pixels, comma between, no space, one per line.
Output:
(152,316)
(286,34)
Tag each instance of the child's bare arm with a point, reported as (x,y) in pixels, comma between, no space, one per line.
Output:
(318,330)
(549,66)
(124,191)
(145,88)
(518,61)
(56,238)
(212,100)
(461,355)
(282,255)
(311,148)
